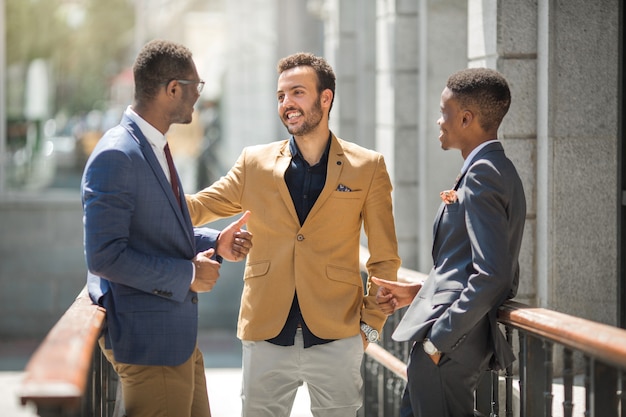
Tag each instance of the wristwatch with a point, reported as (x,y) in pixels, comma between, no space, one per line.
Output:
(371,334)
(430,348)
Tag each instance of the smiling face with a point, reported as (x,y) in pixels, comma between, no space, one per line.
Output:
(300,106)
(450,122)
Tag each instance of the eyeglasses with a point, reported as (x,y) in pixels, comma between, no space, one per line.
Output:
(187,82)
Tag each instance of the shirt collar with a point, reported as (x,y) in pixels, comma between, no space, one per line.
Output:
(472,154)
(152,134)
(293,147)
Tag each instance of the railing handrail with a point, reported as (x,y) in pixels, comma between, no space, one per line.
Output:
(593,339)
(57,374)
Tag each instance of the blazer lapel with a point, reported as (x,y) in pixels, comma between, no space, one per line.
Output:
(333,171)
(283,159)
(439,215)
(182,213)
(496,146)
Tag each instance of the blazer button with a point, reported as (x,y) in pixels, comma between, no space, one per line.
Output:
(194,299)
(300,238)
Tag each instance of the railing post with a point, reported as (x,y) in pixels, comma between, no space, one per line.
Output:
(568,383)
(535,395)
(622,394)
(508,376)
(495,394)
(548,375)
(93,390)
(603,395)
(483,394)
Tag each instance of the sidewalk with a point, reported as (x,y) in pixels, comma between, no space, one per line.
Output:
(222,359)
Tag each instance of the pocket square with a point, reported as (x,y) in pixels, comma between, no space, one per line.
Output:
(448,196)
(343,188)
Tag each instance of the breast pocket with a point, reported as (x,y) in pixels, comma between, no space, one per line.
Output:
(348,195)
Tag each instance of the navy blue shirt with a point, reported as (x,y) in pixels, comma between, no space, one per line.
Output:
(305,184)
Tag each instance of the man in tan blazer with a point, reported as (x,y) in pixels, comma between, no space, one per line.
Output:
(306,315)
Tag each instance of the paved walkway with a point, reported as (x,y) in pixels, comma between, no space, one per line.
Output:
(222,357)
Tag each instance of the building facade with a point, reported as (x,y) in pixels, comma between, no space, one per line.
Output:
(564,131)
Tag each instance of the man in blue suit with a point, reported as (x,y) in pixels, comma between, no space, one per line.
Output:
(146,262)
(477,238)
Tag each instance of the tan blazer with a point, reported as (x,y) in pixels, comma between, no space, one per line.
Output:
(319,260)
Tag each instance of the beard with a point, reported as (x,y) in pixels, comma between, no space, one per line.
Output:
(184,113)
(311,120)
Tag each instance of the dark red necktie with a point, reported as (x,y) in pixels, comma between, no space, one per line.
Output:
(173,176)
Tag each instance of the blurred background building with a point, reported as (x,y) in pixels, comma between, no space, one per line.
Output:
(66,71)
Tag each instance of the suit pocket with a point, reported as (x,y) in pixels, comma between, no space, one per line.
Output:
(257,269)
(445,297)
(344,275)
(348,195)
(143,302)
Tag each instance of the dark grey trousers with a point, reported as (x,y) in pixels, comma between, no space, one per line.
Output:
(443,390)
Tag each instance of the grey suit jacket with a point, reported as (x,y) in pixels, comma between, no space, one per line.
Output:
(475,253)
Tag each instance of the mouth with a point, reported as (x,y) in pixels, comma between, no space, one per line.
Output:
(292,115)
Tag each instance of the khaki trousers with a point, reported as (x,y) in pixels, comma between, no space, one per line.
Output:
(163,391)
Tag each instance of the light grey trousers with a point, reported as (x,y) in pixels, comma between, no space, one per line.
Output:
(272,375)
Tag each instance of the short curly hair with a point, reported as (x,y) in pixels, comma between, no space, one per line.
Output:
(484,91)
(159,62)
(325,74)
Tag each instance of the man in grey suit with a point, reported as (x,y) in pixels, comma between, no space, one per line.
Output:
(477,237)
(146,262)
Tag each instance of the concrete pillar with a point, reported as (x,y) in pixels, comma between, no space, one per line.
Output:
(349,46)
(580,88)
(503,35)
(249,102)
(442,50)
(354,63)
(560,59)
(396,101)
(419,44)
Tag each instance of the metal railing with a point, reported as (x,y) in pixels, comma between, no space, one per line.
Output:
(529,393)
(67,376)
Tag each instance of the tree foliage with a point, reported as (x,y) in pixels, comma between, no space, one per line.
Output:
(86,42)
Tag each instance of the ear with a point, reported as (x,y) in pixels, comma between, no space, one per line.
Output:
(171,88)
(326,97)
(468,117)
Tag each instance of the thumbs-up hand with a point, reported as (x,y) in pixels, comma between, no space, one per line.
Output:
(234,243)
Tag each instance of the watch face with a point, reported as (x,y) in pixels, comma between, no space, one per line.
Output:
(371,334)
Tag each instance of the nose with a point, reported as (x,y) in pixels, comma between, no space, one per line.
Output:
(286,101)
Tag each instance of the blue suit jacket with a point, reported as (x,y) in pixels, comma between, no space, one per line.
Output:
(475,252)
(138,245)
